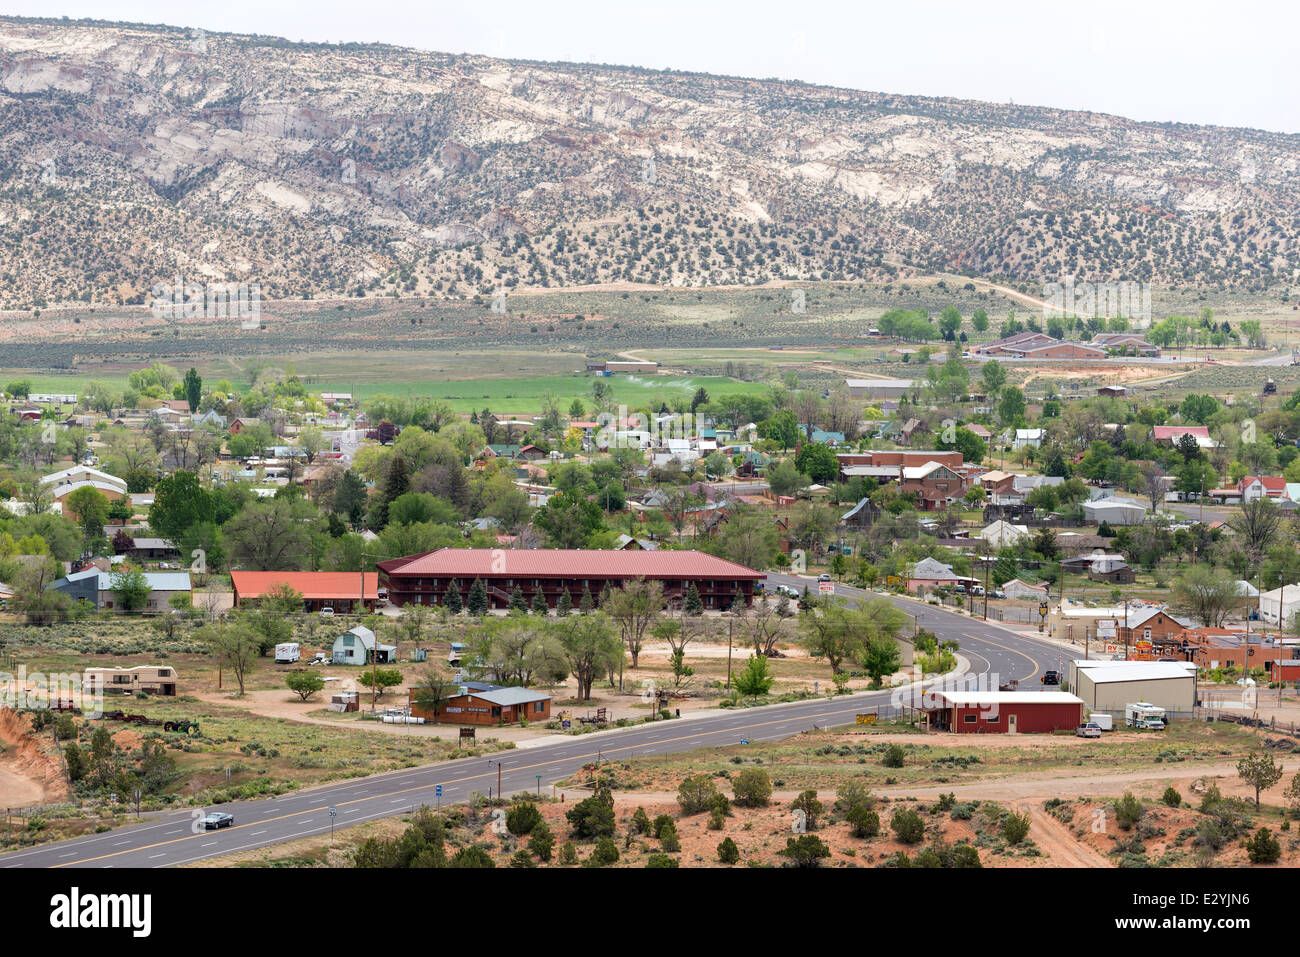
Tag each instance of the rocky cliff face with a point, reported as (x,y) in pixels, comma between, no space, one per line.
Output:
(130,153)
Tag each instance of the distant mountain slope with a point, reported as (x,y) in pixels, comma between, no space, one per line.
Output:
(131,153)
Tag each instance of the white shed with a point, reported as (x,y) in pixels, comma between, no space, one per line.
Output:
(357,645)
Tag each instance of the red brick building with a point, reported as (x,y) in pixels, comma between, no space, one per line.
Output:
(425,579)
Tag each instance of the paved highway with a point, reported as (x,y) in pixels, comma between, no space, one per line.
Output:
(170,839)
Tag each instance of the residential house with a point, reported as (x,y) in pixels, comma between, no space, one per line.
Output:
(1028,438)
(1001,534)
(1112,569)
(930,573)
(493,705)
(1024,591)
(96,588)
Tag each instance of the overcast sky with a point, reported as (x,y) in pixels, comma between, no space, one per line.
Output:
(1194,61)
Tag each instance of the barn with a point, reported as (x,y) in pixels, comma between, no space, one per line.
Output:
(1002,712)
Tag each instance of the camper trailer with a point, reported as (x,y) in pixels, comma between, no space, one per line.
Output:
(1144,716)
(287,653)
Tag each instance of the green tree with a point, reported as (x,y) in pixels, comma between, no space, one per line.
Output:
(907,826)
(593,818)
(1260,771)
(755,679)
(728,853)
(130,589)
(350,497)
(477,603)
(304,683)
(818,461)
(451,600)
(179,502)
(236,645)
(751,788)
(807,850)
(193,388)
(1011,409)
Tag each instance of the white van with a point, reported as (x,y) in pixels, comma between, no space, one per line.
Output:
(287,653)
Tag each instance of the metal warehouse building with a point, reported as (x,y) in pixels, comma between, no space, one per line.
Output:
(1003,712)
(1110,685)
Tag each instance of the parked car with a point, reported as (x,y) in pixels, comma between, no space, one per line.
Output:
(977,590)
(959,589)
(1051,678)
(217,819)
(997,593)
(1089,730)
(789,590)
(327,612)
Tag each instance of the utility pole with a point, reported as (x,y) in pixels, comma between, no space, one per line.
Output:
(730,623)
(986,581)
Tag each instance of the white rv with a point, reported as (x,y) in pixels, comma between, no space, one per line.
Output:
(287,653)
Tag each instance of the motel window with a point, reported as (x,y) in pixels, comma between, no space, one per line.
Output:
(970,718)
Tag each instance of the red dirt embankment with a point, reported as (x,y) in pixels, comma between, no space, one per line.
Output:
(27,774)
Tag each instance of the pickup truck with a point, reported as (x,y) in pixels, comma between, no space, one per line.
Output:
(1088,730)
(1051,678)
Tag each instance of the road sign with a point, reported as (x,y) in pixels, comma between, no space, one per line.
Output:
(467,734)
(867,718)
(334,812)
(826,588)
(437,790)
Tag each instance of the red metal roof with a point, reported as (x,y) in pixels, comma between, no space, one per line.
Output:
(312,585)
(1174,431)
(566,563)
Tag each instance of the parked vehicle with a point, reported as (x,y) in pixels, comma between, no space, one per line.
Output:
(327,612)
(959,589)
(217,819)
(286,653)
(1101,720)
(1051,678)
(1088,730)
(997,593)
(788,590)
(1144,716)
(977,590)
